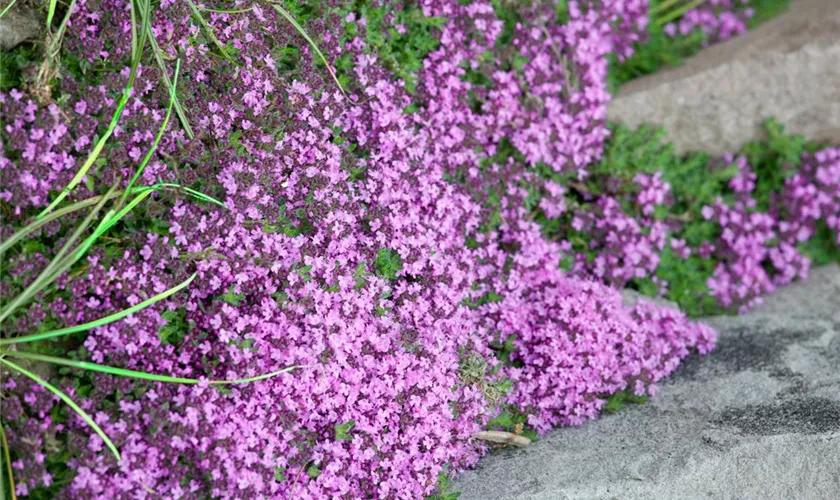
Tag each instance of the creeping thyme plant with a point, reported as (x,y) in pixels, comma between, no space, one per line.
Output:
(390,225)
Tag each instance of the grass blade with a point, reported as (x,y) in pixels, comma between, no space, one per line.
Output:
(100,144)
(56,265)
(90,159)
(72,404)
(258,377)
(102,321)
(112,218)
(133,30)
(165,76)
(6,9)
(209,31)
(197,194)
(7,459)
(51,13)
(55,41)
(29,228)
(161,130)
(32,226)
(663,6)
(677,13)
(122,372)
(231,11)
(84,365)
(106,223)
(283,12)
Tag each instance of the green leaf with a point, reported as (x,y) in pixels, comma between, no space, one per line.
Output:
(304,272)
(283,12)
(103,321)
(100,144)
(505,419)
(176,326)
(342,431)
(232,298)
(313,471)
(616,402)
(67,400)
(6,460)
(387,264)
(85,365)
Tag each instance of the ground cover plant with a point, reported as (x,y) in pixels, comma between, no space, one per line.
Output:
(676,30)
(418,206)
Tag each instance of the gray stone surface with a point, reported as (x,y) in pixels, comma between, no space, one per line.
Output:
(17,25)
(788,68)
(759,418)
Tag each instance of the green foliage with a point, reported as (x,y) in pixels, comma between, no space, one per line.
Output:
(56,464)
(444,488)
(764,10)
(176,326)
(774,160)
(822,248)
(512,419)
(687,283)
(504,349)
(508,11)
(387,264)
(660,51)
(619,400)
(342,431)
(313,471)
(696,181)
(13,66)
(644,150)
(474,371)
(400,50)
(232,298)
(490,297)
(561,11)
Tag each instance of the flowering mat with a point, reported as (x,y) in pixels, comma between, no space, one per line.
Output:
(331,249)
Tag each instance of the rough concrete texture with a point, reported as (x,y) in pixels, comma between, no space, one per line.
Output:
(788,68)
(17,25)
(759,418)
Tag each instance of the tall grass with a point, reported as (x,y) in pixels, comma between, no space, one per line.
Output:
(84,237)
(286,15)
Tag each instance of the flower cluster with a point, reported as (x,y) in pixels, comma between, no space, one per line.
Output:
(718,19)
(738,236)
(574,342)
(375,236)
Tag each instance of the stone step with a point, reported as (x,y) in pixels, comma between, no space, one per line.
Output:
(787,68)
(759,418)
